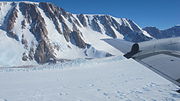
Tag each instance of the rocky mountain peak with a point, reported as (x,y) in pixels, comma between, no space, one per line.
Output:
(46,32)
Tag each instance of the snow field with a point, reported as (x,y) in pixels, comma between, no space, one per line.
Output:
(109,79)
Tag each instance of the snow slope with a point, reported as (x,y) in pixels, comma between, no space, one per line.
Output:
(44,32)
(108,79)
(11,51)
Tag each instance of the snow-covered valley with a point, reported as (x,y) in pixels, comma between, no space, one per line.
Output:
(106,79)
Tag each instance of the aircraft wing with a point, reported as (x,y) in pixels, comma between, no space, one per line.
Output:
(161,56)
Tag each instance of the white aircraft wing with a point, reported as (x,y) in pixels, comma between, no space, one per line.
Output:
(162,56)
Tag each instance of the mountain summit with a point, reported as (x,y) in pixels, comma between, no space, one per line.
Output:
(32,32)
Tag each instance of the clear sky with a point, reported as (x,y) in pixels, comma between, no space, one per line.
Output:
(159,13)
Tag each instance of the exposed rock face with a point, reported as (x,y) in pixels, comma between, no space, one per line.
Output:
(52,12)
(31,54)
(12,18)
(127,28)
(35,20)
(82,19)
(23,23)
(55,14)
(10,22)
(43,53)
(158,34)
(77,40)
(106,22)
(95,25)
(131,35)
(45,30)
(66,31)
(25,57)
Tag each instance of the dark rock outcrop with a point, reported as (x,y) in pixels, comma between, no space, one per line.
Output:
(24,57)
(82,19)
(43,54)
(44,51)
(51,12)
(56,14)
(11,19)
(106,22)
(77,40)
(23,24)
(95,26)
(131,35)
(35,20)
(110,24)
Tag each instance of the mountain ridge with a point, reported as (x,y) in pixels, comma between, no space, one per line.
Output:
(47,33)
(165,33)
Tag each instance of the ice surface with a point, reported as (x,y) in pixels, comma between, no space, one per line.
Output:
(108,79)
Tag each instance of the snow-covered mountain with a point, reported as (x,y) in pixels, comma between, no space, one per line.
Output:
(167,33)
(32,32)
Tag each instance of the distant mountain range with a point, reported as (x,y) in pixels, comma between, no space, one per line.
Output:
(159,34)
(37,33)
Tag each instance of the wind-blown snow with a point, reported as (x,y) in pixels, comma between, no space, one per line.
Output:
(108,79)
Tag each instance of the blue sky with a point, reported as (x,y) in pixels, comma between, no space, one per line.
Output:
(159,13)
